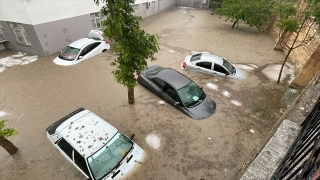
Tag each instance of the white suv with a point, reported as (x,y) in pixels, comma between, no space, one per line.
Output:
(93,146)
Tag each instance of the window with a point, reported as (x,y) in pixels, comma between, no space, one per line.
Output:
(172,93)
(158,82)
(65,147)
(153,6)
(220,69)
(206,65)
(81,163)
(2,36)
(136,7)
(19,34)
(96,20)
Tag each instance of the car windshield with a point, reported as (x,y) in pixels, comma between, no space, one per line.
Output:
(229,67)
(110,156)
(191,94)
(69,53)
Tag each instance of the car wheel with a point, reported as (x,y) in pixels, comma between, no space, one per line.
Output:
(104,50)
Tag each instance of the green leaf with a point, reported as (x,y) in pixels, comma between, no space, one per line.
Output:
(6,132)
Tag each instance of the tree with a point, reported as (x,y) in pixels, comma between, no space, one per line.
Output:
(254,13)
(133,45)
(4,142)
(306,19)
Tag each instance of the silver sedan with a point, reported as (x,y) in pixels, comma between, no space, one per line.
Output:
(212,64)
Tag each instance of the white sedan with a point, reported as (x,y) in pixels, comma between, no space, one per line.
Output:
(212,64)
(82,49)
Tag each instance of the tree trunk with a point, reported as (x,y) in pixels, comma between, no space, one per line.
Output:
(234,23)
(131,95)
(309,70)
(7,145)
(281,39)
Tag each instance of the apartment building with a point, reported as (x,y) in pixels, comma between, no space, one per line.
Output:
(44,27)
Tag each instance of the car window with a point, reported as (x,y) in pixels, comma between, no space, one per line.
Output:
(171,92)
(195,57)
(89,48)
(220,69)
(204,64)
(191,94)
(65,147)
(69,53)
(81,162)
(94,45)
(158,82)
(228,66)
(84,51)
(155,71)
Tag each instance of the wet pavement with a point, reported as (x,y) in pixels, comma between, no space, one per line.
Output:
(38,93)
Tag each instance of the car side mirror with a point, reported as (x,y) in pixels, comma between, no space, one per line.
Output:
(201,87)
(176,103)
(80,57)
(132,136)
(89,178)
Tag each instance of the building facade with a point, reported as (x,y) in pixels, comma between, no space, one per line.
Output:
(44,27)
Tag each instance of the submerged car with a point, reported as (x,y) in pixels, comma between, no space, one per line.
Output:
(177,90)
(96,148)
(82,49)
(212,64)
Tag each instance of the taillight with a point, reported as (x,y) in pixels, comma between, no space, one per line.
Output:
(107,42)
(184,64)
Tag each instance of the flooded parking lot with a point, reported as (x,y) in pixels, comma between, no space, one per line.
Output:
(35,92)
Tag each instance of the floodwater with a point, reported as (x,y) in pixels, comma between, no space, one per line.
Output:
(38,93)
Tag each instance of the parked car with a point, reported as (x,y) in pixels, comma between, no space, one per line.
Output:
(177,90)
(212,64)
(96,148)
(82,49)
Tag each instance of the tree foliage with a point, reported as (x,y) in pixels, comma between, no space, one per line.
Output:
(252,12)
(133,45)
(6,132)
(294,19)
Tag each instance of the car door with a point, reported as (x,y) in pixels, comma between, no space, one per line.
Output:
(80,163)
(91,50)
(170,94)
(204,67)
(157,86)
(220,70)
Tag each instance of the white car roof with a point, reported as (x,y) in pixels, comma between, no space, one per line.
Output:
(212,58)
(87,133)
(81,42)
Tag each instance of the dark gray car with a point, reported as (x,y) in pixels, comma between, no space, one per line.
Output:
(177,90)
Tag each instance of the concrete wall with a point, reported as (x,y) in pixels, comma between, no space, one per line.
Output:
(54,36)
(156,7)
(35,47)
(43,11)
(299,56)
(191,3)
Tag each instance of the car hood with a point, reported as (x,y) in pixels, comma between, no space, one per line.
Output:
(129,165)
(63,62)
(241,74)
(203,110)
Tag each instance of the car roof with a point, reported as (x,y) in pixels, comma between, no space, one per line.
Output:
(87,133)
(174,78)
(81,42)
(212,58)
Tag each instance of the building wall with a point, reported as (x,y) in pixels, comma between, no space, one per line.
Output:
(35,47)
(64,32)
(43,11)
(52,26)
(191,3)
(157,6)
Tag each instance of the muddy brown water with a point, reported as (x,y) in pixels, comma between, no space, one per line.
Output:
(218,147)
